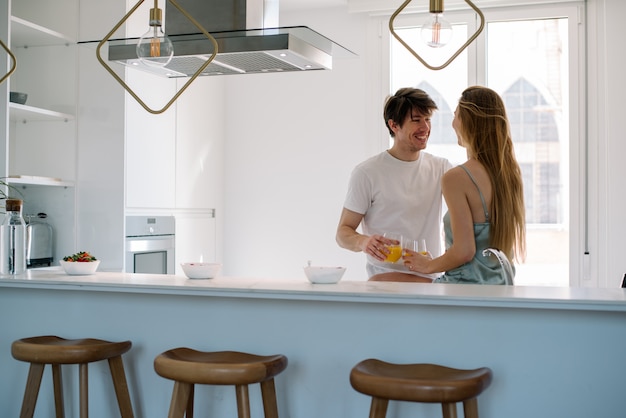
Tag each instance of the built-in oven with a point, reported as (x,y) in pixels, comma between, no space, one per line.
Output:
(150,244)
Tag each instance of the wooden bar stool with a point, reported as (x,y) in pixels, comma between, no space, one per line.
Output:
(427,383)
(188,367)
(39,351)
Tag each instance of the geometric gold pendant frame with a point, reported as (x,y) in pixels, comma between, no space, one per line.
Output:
(183,88)
(416,55)
(3,45)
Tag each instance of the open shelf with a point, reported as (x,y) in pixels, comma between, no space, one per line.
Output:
(25,113)
(38,181)
(27,34)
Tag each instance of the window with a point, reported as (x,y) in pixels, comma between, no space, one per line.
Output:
(525,54)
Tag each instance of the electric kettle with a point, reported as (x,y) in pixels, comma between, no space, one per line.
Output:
(39,238)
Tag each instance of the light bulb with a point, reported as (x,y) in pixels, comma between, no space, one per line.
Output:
(437,31)
(155,48)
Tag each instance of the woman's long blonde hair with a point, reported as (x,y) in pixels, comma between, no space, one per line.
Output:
(487,137)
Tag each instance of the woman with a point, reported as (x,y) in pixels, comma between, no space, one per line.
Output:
(485,223)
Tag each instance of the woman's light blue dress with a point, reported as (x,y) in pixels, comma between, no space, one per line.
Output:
(489,265)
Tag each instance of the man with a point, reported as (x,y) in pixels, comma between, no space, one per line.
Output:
(397,191)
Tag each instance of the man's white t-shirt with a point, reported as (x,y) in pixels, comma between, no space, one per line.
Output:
(402,197)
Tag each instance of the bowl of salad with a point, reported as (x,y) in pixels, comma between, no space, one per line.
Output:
(80,264)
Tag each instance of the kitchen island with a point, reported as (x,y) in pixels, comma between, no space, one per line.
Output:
(555,352)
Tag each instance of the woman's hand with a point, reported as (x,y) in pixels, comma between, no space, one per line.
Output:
(415,261)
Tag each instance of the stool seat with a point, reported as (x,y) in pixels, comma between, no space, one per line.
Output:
(426,383)
(51,349)
(57,351)
(218,368)
(188,367)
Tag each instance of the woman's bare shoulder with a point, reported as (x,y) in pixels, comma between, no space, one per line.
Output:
(454,181)
(455,174)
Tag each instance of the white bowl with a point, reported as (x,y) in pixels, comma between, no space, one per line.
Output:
(79,268)
(201,270)
(323,274)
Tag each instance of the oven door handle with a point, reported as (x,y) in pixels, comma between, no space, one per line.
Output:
(143,244)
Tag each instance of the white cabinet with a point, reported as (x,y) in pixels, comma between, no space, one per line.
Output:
(150,144)
(200,137)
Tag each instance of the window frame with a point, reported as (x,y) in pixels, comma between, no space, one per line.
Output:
(579,204)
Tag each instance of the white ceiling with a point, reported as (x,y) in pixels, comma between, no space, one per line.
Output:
(378,5)
(308,4)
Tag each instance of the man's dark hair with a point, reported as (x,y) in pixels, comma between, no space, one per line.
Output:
(401,104)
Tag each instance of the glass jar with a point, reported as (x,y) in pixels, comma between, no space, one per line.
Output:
(13,239)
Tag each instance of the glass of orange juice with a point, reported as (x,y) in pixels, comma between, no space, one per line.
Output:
(418,245)
(421,246)
(395,250)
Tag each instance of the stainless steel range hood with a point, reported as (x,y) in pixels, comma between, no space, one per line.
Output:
(249,41)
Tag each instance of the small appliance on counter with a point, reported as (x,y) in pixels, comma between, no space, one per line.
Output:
(18,97)
(38,241)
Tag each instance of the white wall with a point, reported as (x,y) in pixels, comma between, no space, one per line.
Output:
(607,148)
(616,141)
(292,140)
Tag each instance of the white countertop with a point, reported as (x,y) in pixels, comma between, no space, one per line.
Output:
(594,299)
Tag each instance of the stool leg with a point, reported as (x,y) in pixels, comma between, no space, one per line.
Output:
(180,400)
(83,373)
(57,383)
(470,408)
(116,365)
(243,401)
(449,410)
(190,399)
(379,407)
(268,393)
(35,372)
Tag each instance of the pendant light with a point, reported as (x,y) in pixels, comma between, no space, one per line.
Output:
(13,60)
(437,31)
(155,49)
